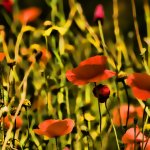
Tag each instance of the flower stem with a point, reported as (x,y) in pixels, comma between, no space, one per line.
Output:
(134,135)
(113,127)
(143,126)
(123,82)
(100,119)
(56,139)
(101,35)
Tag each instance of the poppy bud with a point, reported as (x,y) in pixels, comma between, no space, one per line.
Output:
(102,92)
(99,13)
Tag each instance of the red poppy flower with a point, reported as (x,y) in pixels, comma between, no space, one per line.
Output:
(2,56)
(121,119)
(54,128)
(7,4)
(8,119)
(128,137)
(140,85)
(28,15)
(99,13)
(92,69)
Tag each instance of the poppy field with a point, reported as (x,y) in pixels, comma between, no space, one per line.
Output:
(74,75)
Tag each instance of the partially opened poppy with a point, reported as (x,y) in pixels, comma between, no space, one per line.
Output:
(55,128)
(102,92)
(140,85)
(2,56)
(28,15)
(92,69)
(120,114)
(99,13)
(8,119)
(7,4)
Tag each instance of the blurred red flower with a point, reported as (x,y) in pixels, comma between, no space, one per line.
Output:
(8,119)
(92,69)
(54,128)
(133,136)
(7,4)
(28,15)
(121,119)
(2,56)
(99,13)
(140,85)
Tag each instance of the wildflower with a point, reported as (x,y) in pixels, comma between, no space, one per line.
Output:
(2,56)
(28,15)
(8,119)
(54,128)
(120,115)
(140,85)
(133,136)
(92,69)
(102,92)
(99,13)
(7,4)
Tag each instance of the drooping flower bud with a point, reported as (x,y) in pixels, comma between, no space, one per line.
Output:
(102,92)
(99,13)
(7,4)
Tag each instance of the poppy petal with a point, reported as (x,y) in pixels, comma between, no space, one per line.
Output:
(128,137)
(140,89)
(122,117)
(141,93)
(95,60)
(60,128)
(2,56)
(28,15)
(90,70)
(46,123)
(39,131)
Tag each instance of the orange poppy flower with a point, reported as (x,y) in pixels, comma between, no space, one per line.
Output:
(129,138)
(54,128)
(140,85)
(28,15)
(92,69)
(2,56)
(7,4)
(7,121)
(121,119)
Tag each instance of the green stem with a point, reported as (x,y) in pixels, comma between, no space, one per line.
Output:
(13,140)
(123,82)
(100,118)
(113,127)
(56,139)
(101,35)
(143,126)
